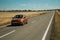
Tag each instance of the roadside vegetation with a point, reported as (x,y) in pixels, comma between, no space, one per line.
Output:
(57,26)
(6,17)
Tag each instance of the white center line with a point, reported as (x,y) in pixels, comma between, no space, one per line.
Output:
(7,34)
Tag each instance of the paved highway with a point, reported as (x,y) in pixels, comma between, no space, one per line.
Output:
(34,30)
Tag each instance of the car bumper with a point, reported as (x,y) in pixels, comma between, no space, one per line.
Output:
(16,23)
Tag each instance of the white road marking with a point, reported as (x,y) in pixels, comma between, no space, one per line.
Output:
(33,21)
(45,34)
(7,34)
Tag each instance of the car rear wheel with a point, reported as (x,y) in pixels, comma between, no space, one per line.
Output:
(13,24)
(26,22)
(23,23)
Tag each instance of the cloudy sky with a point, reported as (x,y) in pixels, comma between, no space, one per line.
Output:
(29,4)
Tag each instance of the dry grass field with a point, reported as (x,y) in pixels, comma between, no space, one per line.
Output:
(5,17)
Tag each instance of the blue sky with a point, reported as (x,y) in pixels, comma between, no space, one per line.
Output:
(29,4)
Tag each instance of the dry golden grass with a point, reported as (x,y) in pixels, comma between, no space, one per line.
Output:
(5,17)
(4,21)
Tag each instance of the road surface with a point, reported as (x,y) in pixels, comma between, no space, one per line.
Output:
(34,30)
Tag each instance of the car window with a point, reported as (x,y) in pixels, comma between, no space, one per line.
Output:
(18,16)
(24,16)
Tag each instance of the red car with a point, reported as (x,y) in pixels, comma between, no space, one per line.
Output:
(19,19)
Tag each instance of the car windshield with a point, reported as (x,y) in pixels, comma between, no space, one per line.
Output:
(18,16)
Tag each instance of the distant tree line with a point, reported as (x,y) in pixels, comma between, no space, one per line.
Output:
(19,10)
(27,10)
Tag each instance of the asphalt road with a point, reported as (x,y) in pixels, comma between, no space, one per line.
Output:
(34,30)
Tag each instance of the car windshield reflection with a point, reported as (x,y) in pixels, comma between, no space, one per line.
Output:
(18,16)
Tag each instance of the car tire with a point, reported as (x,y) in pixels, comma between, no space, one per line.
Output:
(12,24)
(22,23)
(26,22)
